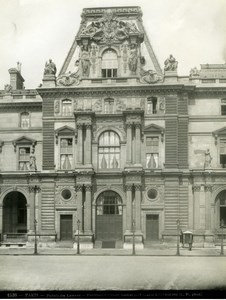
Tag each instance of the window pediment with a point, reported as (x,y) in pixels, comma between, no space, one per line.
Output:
(65,131)
(153,128)
(219,132)
(24,141)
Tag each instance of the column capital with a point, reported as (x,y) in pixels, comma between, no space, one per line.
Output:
(138,187)
(88,187)
(208,188)
(128,187)
(34,188)
(78,187)
(137,125)
(79,125)
(129,124)
(88,125)
(196,188)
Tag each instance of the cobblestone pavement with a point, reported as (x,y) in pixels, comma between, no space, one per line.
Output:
(44,272)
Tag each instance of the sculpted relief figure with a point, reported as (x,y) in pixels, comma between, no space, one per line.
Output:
(8,88)
(147,76)
(133,58)
(70,78)
(109,28)
(208,159)
(85,61)
(50,68)
(170,64)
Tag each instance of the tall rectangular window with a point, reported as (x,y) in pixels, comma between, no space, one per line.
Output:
(66,108)
(152,154)
(152,105)
(66,153)
(24,158)
(223,153)
(109,106)
(24,120)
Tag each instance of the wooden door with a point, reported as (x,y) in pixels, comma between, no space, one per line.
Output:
(152,227)
(66,227)
(109,227)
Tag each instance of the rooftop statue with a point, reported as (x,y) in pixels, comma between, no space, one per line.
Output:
(50,68)
(194,72)
(170,64)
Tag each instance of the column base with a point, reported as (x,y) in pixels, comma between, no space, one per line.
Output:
(128,240)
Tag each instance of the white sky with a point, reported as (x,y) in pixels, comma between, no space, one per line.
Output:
(32,31)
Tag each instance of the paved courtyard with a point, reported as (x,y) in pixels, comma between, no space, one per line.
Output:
(111,272)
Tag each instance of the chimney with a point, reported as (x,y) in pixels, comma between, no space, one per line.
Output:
(16,79)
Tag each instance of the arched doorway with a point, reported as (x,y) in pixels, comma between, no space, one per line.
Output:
(220,208)
(14,213)
(109,216)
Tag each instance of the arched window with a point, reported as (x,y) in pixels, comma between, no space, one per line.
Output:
(109,64)
(221,203)
(109,150)
(109,203)
(66,107)
(24,120)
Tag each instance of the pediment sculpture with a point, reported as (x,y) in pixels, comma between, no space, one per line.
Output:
(109,29)
(70,78)
(148,76)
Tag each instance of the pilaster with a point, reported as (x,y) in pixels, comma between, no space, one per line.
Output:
(196,192)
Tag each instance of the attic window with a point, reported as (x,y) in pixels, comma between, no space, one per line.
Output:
(109,64)
(152,105)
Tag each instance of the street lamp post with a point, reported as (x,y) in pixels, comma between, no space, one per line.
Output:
(133,229)
(78,242)
(178,237)
(36,189)
(35,248)
(222,237)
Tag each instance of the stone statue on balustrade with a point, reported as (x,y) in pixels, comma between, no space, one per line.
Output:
(170,64)
(50,68)
(194,72)
(208,159)
(32,162)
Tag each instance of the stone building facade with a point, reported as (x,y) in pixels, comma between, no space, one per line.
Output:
(114,144)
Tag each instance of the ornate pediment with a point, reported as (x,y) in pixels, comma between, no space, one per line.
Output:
(109,29)
(24,141)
